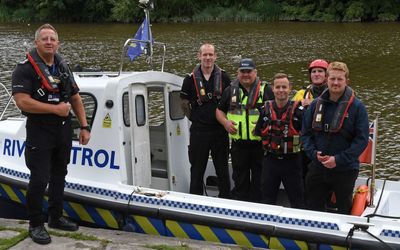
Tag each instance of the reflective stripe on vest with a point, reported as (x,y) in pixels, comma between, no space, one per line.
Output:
(340,113)
(243,110)
(278,135)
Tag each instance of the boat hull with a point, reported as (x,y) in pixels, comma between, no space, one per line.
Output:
(172,223)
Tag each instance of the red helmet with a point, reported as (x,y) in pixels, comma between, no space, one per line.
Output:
(319,63)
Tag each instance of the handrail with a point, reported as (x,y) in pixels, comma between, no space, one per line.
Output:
(133,40)
(373,170)
(8,102)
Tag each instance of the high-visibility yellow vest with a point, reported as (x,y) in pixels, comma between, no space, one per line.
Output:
(243,110)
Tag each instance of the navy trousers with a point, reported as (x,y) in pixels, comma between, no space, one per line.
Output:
(320,182)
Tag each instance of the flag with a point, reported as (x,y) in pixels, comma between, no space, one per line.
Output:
(368,156)
(143,33)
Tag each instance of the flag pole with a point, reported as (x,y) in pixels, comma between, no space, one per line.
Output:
(373,170)
(149,43)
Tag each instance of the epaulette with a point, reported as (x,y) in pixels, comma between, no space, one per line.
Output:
(24,61)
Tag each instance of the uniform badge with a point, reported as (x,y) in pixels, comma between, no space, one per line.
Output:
(23,61)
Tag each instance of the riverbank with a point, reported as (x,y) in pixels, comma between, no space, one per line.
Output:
(14,235)
(201,11)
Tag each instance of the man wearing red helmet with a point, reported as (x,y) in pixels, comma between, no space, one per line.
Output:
(317,70)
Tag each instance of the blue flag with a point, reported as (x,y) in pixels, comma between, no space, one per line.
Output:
(143,33)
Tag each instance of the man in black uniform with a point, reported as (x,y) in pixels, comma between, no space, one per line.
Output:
(238,113)
(45,90)
(200,94)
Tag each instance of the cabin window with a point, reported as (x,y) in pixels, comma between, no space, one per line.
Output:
(140,110)
(90,105)
(175,110)
(125,109)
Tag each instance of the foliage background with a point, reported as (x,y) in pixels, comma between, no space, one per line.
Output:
(200,10)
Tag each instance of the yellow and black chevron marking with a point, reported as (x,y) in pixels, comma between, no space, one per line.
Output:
(14,194)
(99,216)
(148,225)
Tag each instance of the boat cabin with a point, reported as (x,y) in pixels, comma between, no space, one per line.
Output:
(139,132)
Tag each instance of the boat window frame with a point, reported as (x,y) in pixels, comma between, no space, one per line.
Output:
(125,109)
(174,105)
(140,120)
(90,114)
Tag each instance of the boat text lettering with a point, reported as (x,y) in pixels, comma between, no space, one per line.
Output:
(100,158)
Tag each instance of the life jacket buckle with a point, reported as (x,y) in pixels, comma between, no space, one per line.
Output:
(199,102)
(209,95)
(40,92)
(326,127)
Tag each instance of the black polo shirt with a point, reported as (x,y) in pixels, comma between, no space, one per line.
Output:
(203,116)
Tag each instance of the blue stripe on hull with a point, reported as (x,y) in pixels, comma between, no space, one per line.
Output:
(148,225)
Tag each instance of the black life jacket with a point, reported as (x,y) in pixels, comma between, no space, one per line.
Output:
(202,96)
(313,92)
(48,83)
(252,97)
(279,135)
(340,113)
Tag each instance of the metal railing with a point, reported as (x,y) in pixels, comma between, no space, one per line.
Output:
(8,101)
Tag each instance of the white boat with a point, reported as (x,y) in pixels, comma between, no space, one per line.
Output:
(134,175)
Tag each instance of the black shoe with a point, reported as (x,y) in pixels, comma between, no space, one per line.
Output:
(39,235)
(63,224)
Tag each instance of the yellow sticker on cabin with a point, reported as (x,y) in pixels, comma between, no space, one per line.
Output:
(107,121)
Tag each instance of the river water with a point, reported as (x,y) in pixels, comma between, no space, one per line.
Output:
(371,50)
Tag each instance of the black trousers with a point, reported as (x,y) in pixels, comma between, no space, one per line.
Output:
(47,154)
(246,166)
(201,143)
(320,182)
(288,170)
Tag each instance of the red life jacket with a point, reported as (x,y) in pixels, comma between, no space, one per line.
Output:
(278,135)
(65,82)
(41,69)
(202,96)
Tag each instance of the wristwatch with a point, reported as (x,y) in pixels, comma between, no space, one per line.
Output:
(87,127)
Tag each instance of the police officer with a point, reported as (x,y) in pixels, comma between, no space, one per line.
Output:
(279,125)
(334,134)
(45,90)
(238,113)
(200,94)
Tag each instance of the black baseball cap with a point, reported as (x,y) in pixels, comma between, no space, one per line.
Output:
(247,63)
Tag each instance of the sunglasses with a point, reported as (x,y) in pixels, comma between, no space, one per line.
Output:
(245,71)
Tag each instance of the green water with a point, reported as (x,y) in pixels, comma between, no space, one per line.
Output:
(369,49)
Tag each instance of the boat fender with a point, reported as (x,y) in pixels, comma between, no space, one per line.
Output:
(360,200)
